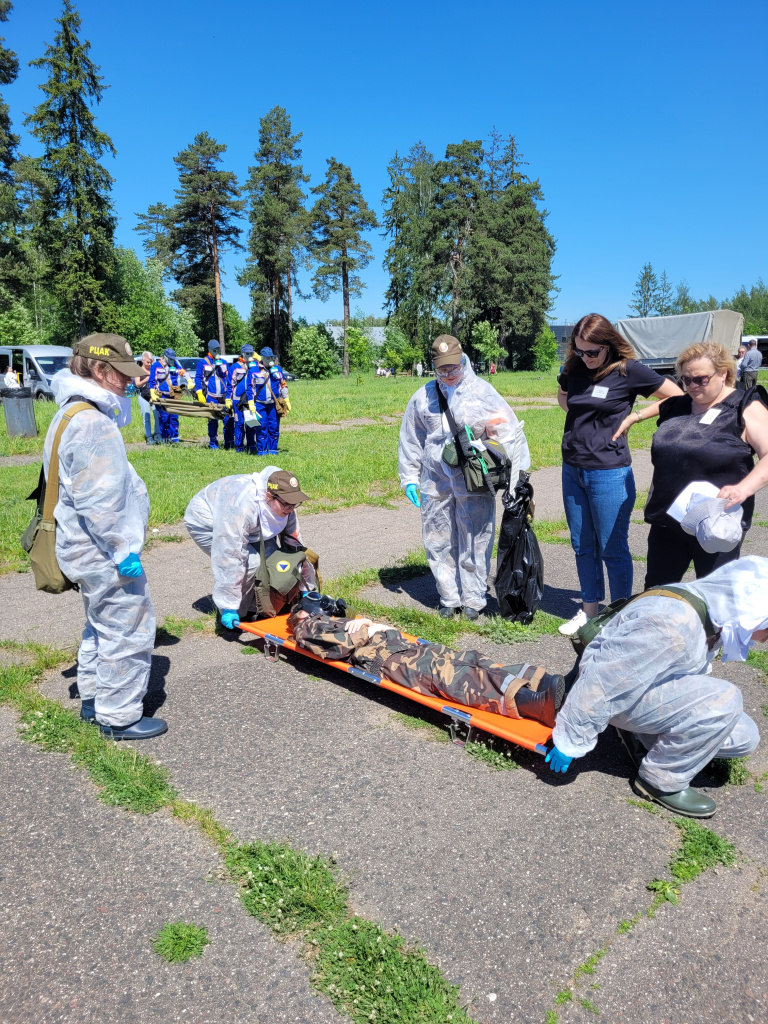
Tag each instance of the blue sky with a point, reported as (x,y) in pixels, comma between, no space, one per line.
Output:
(644,122)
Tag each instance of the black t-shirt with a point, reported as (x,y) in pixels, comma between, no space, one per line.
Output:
(689,445)
(595,410)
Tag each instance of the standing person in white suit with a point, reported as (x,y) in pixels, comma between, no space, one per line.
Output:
(457,527)
(101,524)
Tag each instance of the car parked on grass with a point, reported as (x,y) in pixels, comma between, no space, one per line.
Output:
(35,365)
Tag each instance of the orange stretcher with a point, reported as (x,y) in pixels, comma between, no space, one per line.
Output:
(521,731)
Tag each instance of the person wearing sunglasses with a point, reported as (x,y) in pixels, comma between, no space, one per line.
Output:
(228,520)
(457,527)
(599,385)
(710,433)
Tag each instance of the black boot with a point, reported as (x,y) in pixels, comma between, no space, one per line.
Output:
(542,704)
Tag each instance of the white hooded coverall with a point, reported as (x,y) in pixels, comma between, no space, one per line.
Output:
(101,518)
(457,527)
(226,520)
(646,672)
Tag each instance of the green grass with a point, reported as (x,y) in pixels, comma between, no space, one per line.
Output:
(177,942)
(431,730)
(563,996)
(700,848)
(590,964)
(368,973)
(644,805)
(427,624)
(589,1005)
(550,531)
(493,753)
(759,660)
(732,770)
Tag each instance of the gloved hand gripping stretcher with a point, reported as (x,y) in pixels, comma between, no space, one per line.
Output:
(524,732)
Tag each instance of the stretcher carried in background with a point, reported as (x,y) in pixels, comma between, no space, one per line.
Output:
(182,407)
(521,731)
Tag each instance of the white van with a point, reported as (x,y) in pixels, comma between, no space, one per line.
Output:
(35,365)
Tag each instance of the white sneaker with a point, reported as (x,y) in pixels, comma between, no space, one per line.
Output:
(572,626)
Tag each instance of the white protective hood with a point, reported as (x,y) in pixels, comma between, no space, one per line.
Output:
(736,596)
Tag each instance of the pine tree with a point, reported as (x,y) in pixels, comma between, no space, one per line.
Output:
(202,226)
(12,258)
(9,69)
(155,225)
(278,221)
(665,300)
(459,195)
(646,294)
(77,222)
(509,279)
(338,217)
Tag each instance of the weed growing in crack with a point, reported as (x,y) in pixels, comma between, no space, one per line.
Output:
(732,770)
(700,849)
(178,942)
(589,965)
(496,755)
(431,730)
(644,805)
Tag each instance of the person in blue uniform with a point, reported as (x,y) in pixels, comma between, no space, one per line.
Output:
(239,395)
(270,385)
(164,373)
(211,376)
(254,377)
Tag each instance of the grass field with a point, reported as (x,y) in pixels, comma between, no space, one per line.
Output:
(339,468)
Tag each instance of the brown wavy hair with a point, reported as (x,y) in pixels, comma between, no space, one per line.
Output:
(720,358)
(594,329)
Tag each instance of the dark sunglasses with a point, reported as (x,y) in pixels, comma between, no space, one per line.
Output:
(700,382)
(591,353)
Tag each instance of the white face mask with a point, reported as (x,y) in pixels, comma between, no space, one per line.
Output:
(123,414)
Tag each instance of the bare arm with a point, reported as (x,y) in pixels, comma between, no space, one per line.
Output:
(667,390)
(755,434)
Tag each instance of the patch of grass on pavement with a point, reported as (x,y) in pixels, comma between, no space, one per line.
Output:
(368,973)
(493,753)
(549,531)
(431,730)
(759,660)
(174,627)
(732,770)
(177,942)
(700,848)
(644,805)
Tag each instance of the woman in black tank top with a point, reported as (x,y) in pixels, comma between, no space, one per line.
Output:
(710,433)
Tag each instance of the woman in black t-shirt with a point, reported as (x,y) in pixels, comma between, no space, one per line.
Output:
(599,385)
(711,433)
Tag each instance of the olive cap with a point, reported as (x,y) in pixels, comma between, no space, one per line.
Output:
(109,348)
(446,350)
(285,486)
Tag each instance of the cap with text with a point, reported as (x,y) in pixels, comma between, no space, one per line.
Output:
(285,486)
(446,351)
(109,348)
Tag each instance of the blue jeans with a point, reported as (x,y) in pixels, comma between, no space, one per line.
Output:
(598,504)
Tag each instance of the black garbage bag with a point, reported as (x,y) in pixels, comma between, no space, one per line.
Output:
(519,565)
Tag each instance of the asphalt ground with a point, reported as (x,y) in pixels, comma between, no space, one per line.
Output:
(508,879)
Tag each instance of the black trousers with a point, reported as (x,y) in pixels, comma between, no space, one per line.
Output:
(671,551)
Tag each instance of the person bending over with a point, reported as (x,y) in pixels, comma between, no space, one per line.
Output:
(647,674)
(465,677)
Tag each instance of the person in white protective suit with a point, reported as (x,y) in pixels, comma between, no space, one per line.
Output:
(101,523)
(228,519)
(647,674)
(457,527)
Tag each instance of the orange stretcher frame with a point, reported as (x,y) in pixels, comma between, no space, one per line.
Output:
(521,731)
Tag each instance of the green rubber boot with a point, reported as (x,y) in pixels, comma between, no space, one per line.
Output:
(688,802)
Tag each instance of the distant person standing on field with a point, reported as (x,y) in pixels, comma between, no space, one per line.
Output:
(739,360)
(750,364)
(147,411)
(419,369)
(599,385)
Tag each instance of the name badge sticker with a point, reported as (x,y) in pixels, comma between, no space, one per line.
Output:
(710,416)
(598,391)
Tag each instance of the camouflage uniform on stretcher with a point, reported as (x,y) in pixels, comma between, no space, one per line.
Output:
(465,677)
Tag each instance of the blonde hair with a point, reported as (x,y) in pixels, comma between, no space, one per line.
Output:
(720,358)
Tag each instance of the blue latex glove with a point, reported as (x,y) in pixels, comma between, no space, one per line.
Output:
(230,619)
(412,494)
(558,762)
(130,566)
